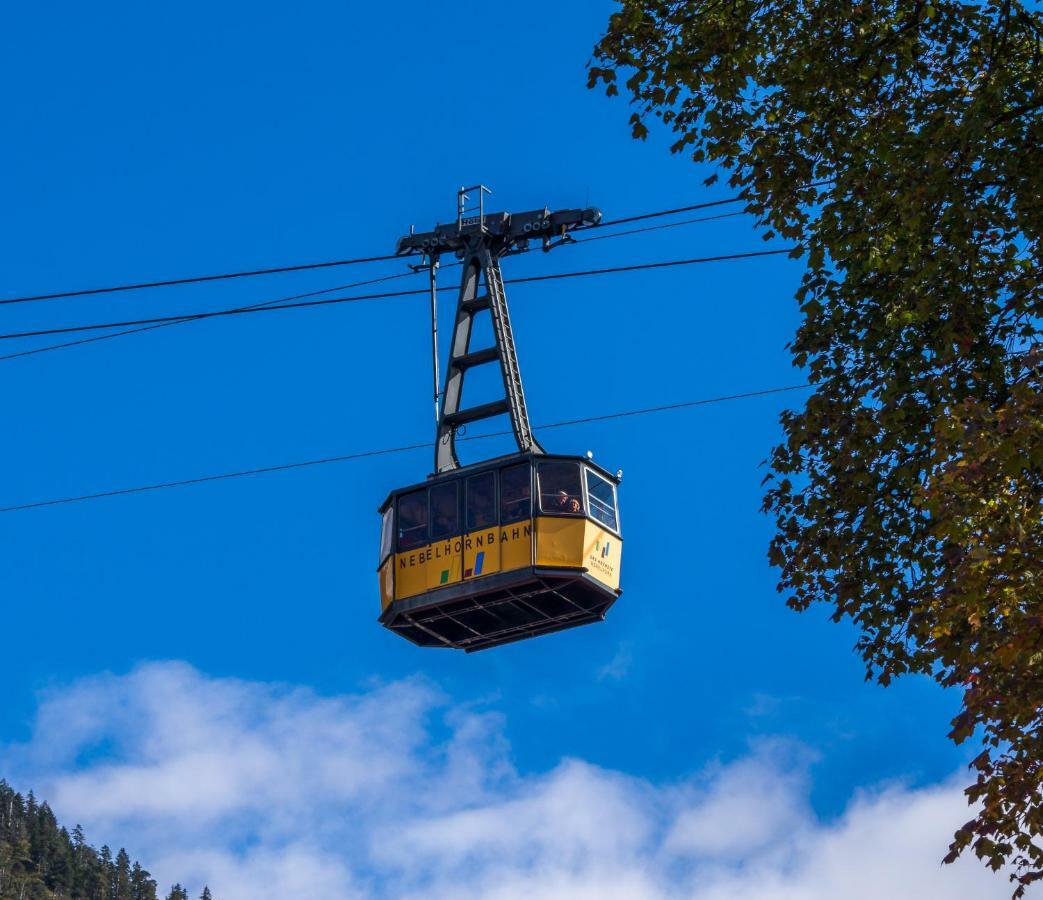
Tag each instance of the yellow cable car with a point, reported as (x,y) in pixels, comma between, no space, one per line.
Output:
(469,560)
(513,547)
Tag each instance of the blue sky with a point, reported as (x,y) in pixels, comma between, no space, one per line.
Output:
(147,142)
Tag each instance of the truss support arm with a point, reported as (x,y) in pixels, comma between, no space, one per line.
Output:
(481,267)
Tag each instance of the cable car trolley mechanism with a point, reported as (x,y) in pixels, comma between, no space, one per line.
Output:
(513,547)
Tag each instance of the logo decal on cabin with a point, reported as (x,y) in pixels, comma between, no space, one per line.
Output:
(479,561)
(445,576)
(603,548)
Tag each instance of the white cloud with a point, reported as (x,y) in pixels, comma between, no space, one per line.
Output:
(763,798)
(266,791)
(619,666)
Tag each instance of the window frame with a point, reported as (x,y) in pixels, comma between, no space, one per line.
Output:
(588,471)
(387,534)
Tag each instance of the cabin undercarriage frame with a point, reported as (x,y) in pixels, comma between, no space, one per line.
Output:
(501,609)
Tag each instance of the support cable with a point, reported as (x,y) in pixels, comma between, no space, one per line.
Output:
(663,212)
(185,319)
(569,423)
(681,209)
(196,279)
(304,304)
(615,234)
(105,337)
(303,267)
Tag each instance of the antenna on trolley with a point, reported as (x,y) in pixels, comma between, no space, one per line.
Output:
(480,240)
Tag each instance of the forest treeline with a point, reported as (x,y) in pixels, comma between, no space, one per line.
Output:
(40,860)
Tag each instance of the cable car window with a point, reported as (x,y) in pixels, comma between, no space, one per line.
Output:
(601,495)
(412,520)
(386,532)
(560,490)
(481,501)
(515,494)
(445,510)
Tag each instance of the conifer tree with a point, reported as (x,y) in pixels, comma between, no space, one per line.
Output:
(40,860)
(121,877)
(142,885)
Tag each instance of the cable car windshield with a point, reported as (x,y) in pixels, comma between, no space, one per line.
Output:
(602,497)
(560,489)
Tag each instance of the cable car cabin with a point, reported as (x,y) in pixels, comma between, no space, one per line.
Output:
(500,551)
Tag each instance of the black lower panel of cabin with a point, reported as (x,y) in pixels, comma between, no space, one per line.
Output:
(477,616)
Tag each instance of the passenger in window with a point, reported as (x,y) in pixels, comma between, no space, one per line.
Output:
(560,491)
(412,521)
(566,503)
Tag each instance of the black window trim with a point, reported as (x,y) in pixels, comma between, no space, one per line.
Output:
(397,525)
(467,529)
(582,489)
(535,498)
(499,481)
(460,512)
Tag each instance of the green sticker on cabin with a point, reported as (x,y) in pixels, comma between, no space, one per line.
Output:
(445,575)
